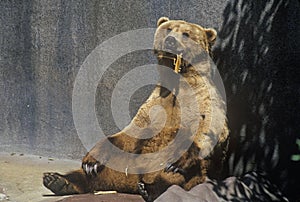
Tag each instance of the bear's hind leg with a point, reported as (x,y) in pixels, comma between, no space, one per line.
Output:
(72,183)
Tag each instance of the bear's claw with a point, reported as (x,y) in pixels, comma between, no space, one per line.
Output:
(143,192)
(171,167)
(91,169)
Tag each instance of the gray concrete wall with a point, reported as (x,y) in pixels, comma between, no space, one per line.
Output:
(43,44)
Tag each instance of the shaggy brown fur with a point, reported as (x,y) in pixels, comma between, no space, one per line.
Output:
(203,123)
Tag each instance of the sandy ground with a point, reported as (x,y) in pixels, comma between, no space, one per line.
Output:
(21,180)
(21,176)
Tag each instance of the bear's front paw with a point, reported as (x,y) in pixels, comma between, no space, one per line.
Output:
(175,168)
(183,164)
(91,166)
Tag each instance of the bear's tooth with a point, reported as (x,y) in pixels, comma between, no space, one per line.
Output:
(177,63)
(95,168)
(86,168)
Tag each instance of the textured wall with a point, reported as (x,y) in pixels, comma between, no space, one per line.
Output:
(43,43)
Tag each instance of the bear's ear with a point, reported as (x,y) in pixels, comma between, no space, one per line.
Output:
(162,20)
(211,35)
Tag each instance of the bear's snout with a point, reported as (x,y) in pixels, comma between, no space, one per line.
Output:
(172,44)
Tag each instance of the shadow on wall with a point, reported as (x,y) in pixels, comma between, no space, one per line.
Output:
(258,58)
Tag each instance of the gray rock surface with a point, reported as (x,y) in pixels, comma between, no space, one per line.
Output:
(250,187)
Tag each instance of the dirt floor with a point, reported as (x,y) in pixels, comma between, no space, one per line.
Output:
(21,180)
(21,176)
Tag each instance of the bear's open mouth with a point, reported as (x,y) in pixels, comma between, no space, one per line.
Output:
(179,65)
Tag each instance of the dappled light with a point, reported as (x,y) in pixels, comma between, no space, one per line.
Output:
(257,56)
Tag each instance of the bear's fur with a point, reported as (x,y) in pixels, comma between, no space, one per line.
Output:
(193,112)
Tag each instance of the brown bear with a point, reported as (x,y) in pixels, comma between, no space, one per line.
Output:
(178,136)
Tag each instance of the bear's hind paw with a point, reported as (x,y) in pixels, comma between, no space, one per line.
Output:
(58,184)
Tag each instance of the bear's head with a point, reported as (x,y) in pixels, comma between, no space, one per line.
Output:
(178,44)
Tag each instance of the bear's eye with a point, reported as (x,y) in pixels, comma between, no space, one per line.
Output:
(185,34)
(169,30)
